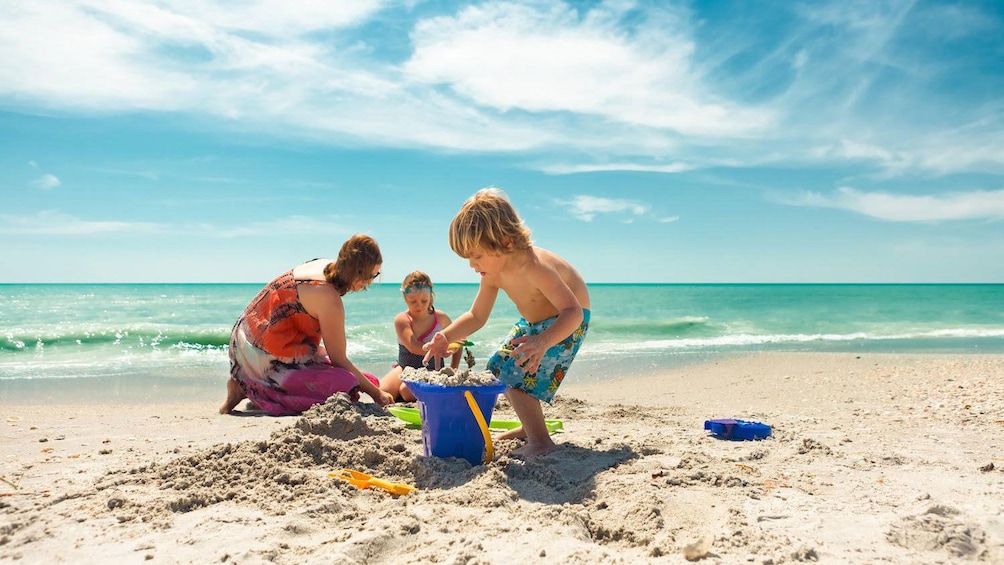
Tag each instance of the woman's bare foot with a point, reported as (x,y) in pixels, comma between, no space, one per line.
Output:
(515,433)
(535,449)
(234,395)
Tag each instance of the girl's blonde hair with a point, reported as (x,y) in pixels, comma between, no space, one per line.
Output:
(488,221)
(420,281)
(356,260)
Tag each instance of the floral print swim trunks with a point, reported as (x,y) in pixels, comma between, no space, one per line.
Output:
(553,367)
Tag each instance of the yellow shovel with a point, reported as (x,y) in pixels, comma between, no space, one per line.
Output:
(364,481)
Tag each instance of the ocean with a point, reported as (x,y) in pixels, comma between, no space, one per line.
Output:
(161,341)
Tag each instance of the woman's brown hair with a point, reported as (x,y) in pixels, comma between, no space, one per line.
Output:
(356,260)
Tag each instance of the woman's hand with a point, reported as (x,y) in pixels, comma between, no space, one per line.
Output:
(382,397)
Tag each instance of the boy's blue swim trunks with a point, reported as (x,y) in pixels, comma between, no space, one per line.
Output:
(553,367)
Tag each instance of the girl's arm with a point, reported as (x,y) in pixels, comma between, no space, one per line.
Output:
(406,335)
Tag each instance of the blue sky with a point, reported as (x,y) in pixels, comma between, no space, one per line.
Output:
(659,141)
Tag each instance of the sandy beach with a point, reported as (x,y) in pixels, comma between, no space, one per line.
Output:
(875,458)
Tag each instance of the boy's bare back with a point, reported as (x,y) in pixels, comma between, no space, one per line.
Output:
(540,283)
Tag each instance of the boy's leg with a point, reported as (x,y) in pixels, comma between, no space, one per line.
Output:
(531,416)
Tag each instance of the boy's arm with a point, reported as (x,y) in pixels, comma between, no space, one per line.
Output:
(465,324)
(455,360)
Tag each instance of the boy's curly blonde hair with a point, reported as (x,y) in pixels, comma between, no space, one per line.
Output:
(488,221)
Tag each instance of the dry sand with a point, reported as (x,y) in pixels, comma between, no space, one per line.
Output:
(874,458)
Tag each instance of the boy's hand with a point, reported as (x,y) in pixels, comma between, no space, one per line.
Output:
(528,351)
(437,349)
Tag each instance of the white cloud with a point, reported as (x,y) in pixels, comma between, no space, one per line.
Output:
(289,224)
(974,147)
(586,207)
(974,205)
(53,222)
(103,65)
(565,169)
(176,56)
(46,182)
(506,56)
(279,17)
(619,85)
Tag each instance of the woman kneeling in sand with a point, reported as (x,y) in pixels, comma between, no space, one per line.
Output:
(276,357)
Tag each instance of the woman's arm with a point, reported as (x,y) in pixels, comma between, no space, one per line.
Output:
(324,303)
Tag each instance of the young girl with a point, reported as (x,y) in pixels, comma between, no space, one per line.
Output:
(415,327)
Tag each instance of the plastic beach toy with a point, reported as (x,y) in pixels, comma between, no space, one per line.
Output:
(449,427)
(364,481)
(482,425)
(737,430)
(414,418)
(455,345)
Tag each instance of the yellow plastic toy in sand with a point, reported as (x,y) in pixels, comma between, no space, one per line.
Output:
(364,481)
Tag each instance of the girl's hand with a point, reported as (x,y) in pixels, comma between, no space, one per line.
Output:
(528,351)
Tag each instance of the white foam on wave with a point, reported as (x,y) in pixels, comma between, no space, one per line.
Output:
(740,340)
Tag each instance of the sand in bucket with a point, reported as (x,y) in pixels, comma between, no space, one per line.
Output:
(449,428)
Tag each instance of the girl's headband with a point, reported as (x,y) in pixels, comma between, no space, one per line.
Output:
(415,288)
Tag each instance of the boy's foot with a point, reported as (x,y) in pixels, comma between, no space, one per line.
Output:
(531,450)
(234,395)
(515,433)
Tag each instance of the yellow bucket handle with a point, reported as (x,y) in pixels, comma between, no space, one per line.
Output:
(481,422)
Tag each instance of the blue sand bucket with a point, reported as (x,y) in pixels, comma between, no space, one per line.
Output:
(449,428)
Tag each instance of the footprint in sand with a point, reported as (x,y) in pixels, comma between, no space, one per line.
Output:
(939,529)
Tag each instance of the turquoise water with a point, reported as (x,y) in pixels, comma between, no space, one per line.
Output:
(113,339)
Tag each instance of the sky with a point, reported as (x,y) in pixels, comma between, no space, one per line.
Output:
(645,141)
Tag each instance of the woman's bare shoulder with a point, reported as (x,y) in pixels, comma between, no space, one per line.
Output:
(317,298)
